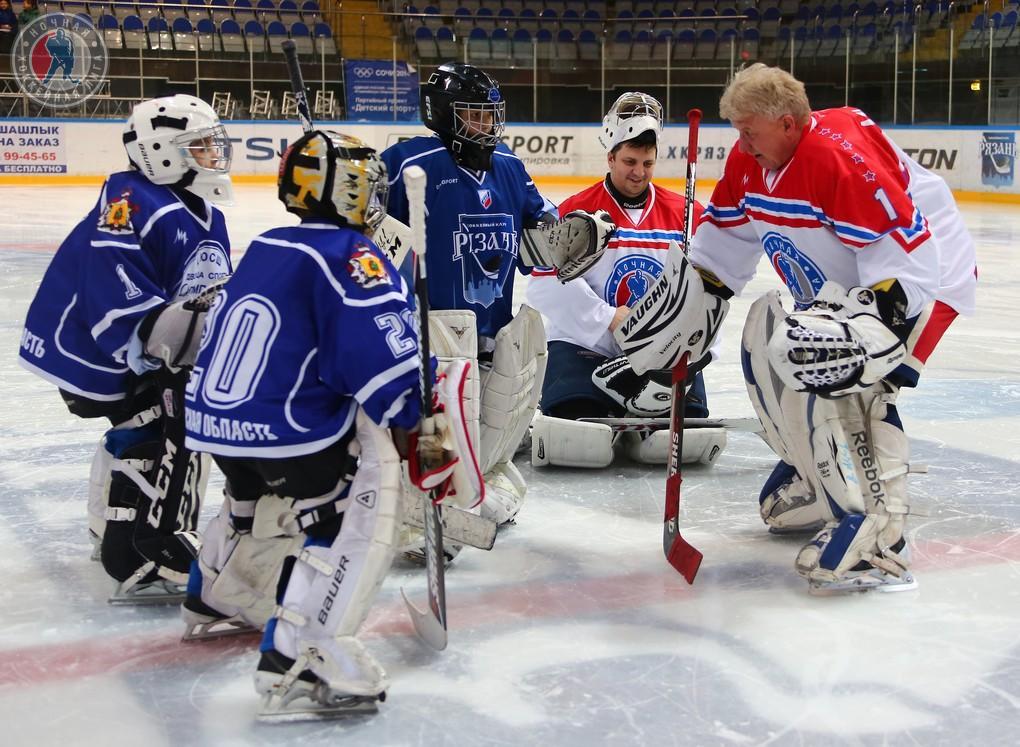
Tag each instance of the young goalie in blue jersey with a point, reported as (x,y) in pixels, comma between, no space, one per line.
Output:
(112,325)
(310,358)
(479,202)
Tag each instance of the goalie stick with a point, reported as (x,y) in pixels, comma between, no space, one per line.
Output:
(749,425)
(431,624)
(680,554)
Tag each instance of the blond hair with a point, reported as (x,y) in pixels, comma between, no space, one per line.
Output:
(766,91)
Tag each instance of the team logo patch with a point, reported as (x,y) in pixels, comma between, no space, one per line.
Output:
(115,217)
(367,269)
(998,155)
(802,276)
(60,60)
(485,197)
(632,276)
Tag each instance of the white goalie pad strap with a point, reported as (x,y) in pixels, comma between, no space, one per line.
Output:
(511,387)
(838,346)
(393,238)
(674,317)
(99,488)
(570,443)
(572,246)
(332,588)
(639,395)
(239,572)
(280,516)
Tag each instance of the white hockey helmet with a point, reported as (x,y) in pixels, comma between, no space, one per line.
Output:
(179,140)
(630,115)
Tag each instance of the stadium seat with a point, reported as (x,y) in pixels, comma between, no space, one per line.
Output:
(208,39)
(220,11)
(478,49)
(588,47)
(302,38)
(255,37)
(289,13)
(276,33)
(265,11)
(324,39)
(499,45)
(231,37)
(184,35)
(310,12)
(134,33)
(159,34)
(243,12)
(112,35)
(425,43)
(523,48)
(446,43)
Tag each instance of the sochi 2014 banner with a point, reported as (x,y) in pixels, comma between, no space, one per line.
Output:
(374,87)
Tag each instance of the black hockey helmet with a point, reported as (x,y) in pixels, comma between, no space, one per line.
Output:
(464,106)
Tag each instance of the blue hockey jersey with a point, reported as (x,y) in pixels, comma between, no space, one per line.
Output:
(474,223)
(314,322)
(138,247)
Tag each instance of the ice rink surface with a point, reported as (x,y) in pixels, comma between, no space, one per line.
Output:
(573,630)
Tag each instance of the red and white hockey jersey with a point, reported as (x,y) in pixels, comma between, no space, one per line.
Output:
(850,206)
(580,311)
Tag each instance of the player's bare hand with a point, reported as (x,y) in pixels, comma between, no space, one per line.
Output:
(621,312)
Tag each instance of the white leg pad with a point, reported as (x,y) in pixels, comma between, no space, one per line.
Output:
(570,443)
(700,446)
(330,589)
(512,386)
(239,571)
(504,493)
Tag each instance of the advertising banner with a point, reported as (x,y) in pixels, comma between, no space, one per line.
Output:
(370,90)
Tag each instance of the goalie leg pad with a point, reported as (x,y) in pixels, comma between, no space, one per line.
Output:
(570,443)
(326,591)
(700,445)
(512,386)
(504,493)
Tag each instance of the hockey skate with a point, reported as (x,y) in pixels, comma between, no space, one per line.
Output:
(866,577)
(293,690)
(203,622)
(145,587)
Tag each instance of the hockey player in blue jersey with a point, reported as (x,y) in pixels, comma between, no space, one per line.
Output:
(310,356)
(112,325)
(479,202)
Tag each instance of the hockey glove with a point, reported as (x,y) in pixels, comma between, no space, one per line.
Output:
(639,395)
(837,346)
(173,333)
(572,246)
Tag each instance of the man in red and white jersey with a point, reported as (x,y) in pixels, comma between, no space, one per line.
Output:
(587,374)
(879,263)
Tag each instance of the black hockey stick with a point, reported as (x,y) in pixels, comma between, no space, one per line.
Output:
(431,623)
(297,84)
(679,553)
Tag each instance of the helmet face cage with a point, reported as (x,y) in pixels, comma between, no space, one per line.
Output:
(207,149)
(630,115)
(479,123)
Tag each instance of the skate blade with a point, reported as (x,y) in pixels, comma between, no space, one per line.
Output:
(273,711)
(861,584)
(217,629)
(148,594)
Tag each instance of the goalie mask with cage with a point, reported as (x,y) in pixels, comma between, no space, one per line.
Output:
(630,116)
(179,141)
(334,176)
(464,106)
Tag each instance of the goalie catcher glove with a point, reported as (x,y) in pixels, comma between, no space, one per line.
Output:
(639,395)
(173,333)
(572,246)
(837,346)
(674,317)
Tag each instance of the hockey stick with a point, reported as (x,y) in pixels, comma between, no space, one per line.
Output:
(430,624)
(679,553)
(297,83)
(641,425)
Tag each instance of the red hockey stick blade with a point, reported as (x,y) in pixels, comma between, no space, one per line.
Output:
(685,558)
